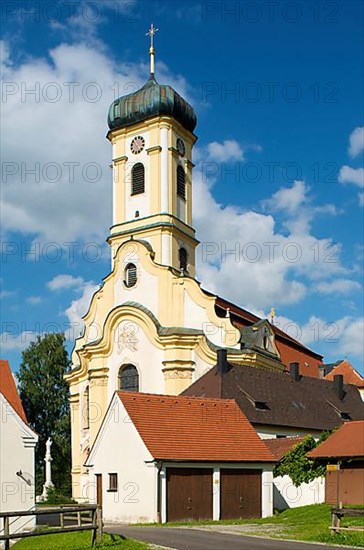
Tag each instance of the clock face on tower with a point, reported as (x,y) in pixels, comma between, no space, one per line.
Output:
(137,145)
(181,147)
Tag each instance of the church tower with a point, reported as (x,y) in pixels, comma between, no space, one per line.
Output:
(149,327)
(151,132)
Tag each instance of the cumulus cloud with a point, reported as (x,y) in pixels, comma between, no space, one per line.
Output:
(336,338)
(356,142)
(244,257)
(17,342)
(60,176)
(79,308)
(347,174)
(62,282)
(228,150)
(339,286)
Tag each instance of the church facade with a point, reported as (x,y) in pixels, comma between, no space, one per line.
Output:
(151,327)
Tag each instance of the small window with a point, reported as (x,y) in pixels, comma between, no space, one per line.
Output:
(113,482)
(137,179)
(183,259)
(181,182)
(128,378)
(130,275)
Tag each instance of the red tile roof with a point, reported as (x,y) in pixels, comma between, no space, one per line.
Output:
(351,376)
(193,428)
(9,391)
(347,441)
(281,445)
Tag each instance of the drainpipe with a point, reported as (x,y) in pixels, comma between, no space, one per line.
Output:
(159,492)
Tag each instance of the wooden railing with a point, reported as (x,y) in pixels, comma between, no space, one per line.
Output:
(338,513)
(94,522)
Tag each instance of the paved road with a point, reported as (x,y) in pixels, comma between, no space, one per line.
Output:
(194,539)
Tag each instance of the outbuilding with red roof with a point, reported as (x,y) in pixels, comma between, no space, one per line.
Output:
(179,458)
(343,452)
(17,446)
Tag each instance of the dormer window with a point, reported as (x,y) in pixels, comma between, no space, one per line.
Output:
(131,275)
(181,182)
(137,179)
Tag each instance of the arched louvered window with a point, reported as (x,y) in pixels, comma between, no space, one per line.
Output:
(181,182)
(183,259)
(128,378)
(86,408)
(130,275)
(137,179)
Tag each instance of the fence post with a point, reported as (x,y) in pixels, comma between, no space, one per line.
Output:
(6,532)
(99,523)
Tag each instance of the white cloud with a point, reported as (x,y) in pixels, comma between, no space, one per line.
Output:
(78,309)
(338,338)
(62,282)
(339,286)
(245,258)
(288,199)
(34,300)
(352,175)
(356,140)
(16,342)
(228,150)
(63,140)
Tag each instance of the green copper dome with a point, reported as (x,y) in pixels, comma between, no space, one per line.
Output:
(152,99)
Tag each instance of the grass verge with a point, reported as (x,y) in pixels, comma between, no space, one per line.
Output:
(307,523)
(78,541)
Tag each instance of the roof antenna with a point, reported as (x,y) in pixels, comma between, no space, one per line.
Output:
(151,33)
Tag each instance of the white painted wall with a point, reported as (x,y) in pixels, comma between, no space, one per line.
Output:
(119,449)
(286,495)
(16,454)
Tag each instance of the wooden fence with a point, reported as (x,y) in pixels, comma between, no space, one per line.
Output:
(66,513)
(338,513)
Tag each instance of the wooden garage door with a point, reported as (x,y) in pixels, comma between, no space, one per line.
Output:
(240,495)
(189,494)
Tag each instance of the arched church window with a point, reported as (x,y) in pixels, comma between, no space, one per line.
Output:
(181,182)
(183,259)
(128,378)
(137,179)
(130,275)
(86,408)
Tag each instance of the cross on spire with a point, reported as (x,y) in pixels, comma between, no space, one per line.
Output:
(152,31)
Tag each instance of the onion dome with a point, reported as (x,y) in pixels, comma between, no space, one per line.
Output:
(151,100)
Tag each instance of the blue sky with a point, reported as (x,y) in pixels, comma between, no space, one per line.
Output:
(277,88)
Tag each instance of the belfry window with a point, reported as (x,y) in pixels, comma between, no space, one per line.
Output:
(183,259)
(130,275)
(181,182)
(137,179)
(128,378)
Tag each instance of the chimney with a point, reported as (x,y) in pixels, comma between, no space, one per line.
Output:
(222,364)
(294,369)
(339,386)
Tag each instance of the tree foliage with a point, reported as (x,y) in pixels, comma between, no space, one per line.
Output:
(44,394)
(298,466)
